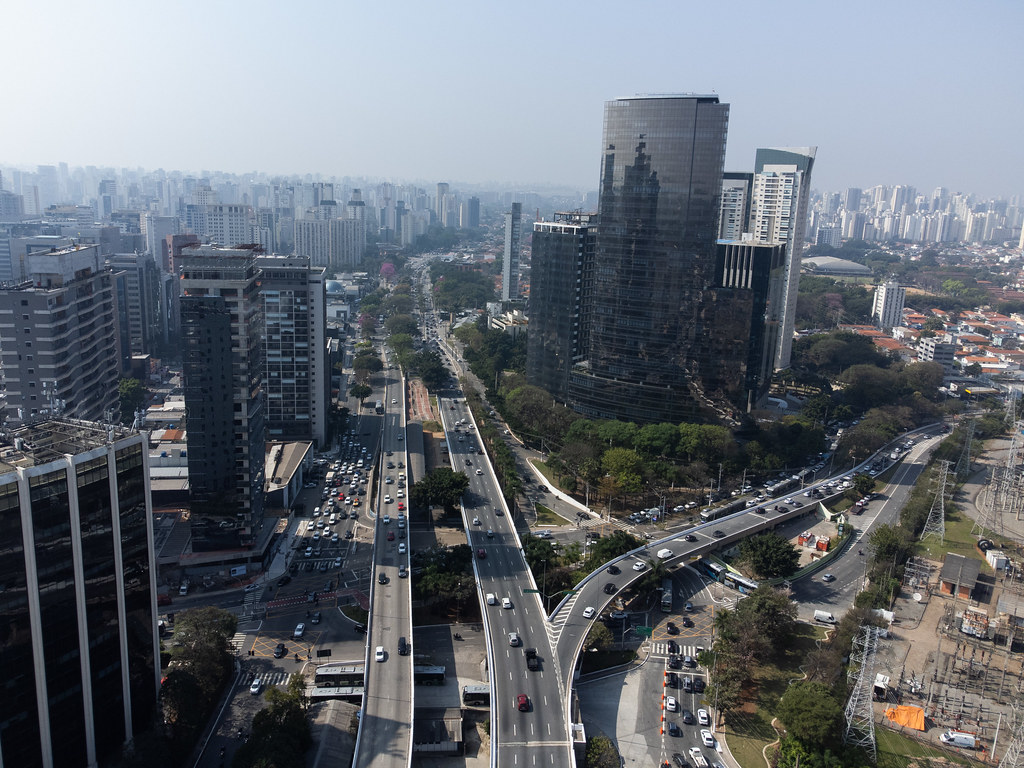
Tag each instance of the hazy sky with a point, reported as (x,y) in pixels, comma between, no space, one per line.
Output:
(913,92)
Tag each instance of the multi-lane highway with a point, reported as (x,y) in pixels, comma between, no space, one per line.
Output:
(530,732)
(385,729)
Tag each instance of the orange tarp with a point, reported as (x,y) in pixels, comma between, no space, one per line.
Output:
(912,717)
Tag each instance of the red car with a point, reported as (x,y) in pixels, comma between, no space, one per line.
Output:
(391,535)
(481,553)
(523,702)
(401,506)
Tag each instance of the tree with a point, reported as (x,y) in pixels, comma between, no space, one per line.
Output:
(888,544)
(770,556)
(863,484)
(600,637)
(811,714)
(132,397)
(601,753)
(441,486)
(360,392)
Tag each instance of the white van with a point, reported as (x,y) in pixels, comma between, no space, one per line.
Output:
(491,599)
(824,617)
(332,519)
(664,553)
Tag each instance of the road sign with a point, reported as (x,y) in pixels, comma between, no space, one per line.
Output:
(644,631)
(320,652)
(531,591)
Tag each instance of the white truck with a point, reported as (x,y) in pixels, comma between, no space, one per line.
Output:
(698,758)
(824,617)
(960,739)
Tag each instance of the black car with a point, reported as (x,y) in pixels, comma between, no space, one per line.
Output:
(672,629)
(718,534)
(679,760)
(688,717)
(672,680)
(689,537)
(698,685)
(382,578)
(687,621)
(284,580)
(613,570)
(280,651)
(609,588)
(674,662)
(674,730)
(315,618)
(673,646)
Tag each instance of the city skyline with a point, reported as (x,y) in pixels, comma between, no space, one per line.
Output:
(475,95)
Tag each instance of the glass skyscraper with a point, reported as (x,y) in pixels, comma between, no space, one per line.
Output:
(654,264)
(78,603)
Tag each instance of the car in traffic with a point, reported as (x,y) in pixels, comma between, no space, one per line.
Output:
(618,614)
(828,577)
(589,612)
(718,534)
(382,578)
(707,738)
(671,705)
(280,650)
(391,535)
(315,618)
(672,629)
(610,588)
(689,537)
(506,602)
(639,565)
(702,717)
(378,654)
(402,548)
(688,717)
(300,630)
(513,639)
(523,702)
(481,553)
(674,730)
(256,687)
(613,570)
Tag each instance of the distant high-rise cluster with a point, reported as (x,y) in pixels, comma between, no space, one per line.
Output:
(901,212)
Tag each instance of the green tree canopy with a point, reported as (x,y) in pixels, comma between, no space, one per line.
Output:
(440,486)
(132,396)
(811,714)
(770,556)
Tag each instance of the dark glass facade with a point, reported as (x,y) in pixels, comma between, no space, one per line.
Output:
(561,280)
(77,618)
(19,714)
(222,325)
(660,186)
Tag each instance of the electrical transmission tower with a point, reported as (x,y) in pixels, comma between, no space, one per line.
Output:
(963,464)
(1014,755)
(916,574)
(859,714)
(935,525)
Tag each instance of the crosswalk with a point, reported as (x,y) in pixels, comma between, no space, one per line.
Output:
(269,679)
(661,649)
(237,642)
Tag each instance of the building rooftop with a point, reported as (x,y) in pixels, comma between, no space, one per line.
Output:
(960,570)
(45,441)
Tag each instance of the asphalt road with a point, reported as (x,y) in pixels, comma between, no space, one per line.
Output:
(538,736)
(385,730)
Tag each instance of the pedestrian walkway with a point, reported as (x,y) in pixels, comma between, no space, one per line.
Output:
(661,649)
(268,679)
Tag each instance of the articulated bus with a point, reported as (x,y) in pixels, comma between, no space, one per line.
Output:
(423,675)
(720,573)
(339,675)
(476,695)
(707,515)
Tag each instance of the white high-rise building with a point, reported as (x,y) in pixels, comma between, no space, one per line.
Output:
(778,214)
(510,262)
(887,306)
